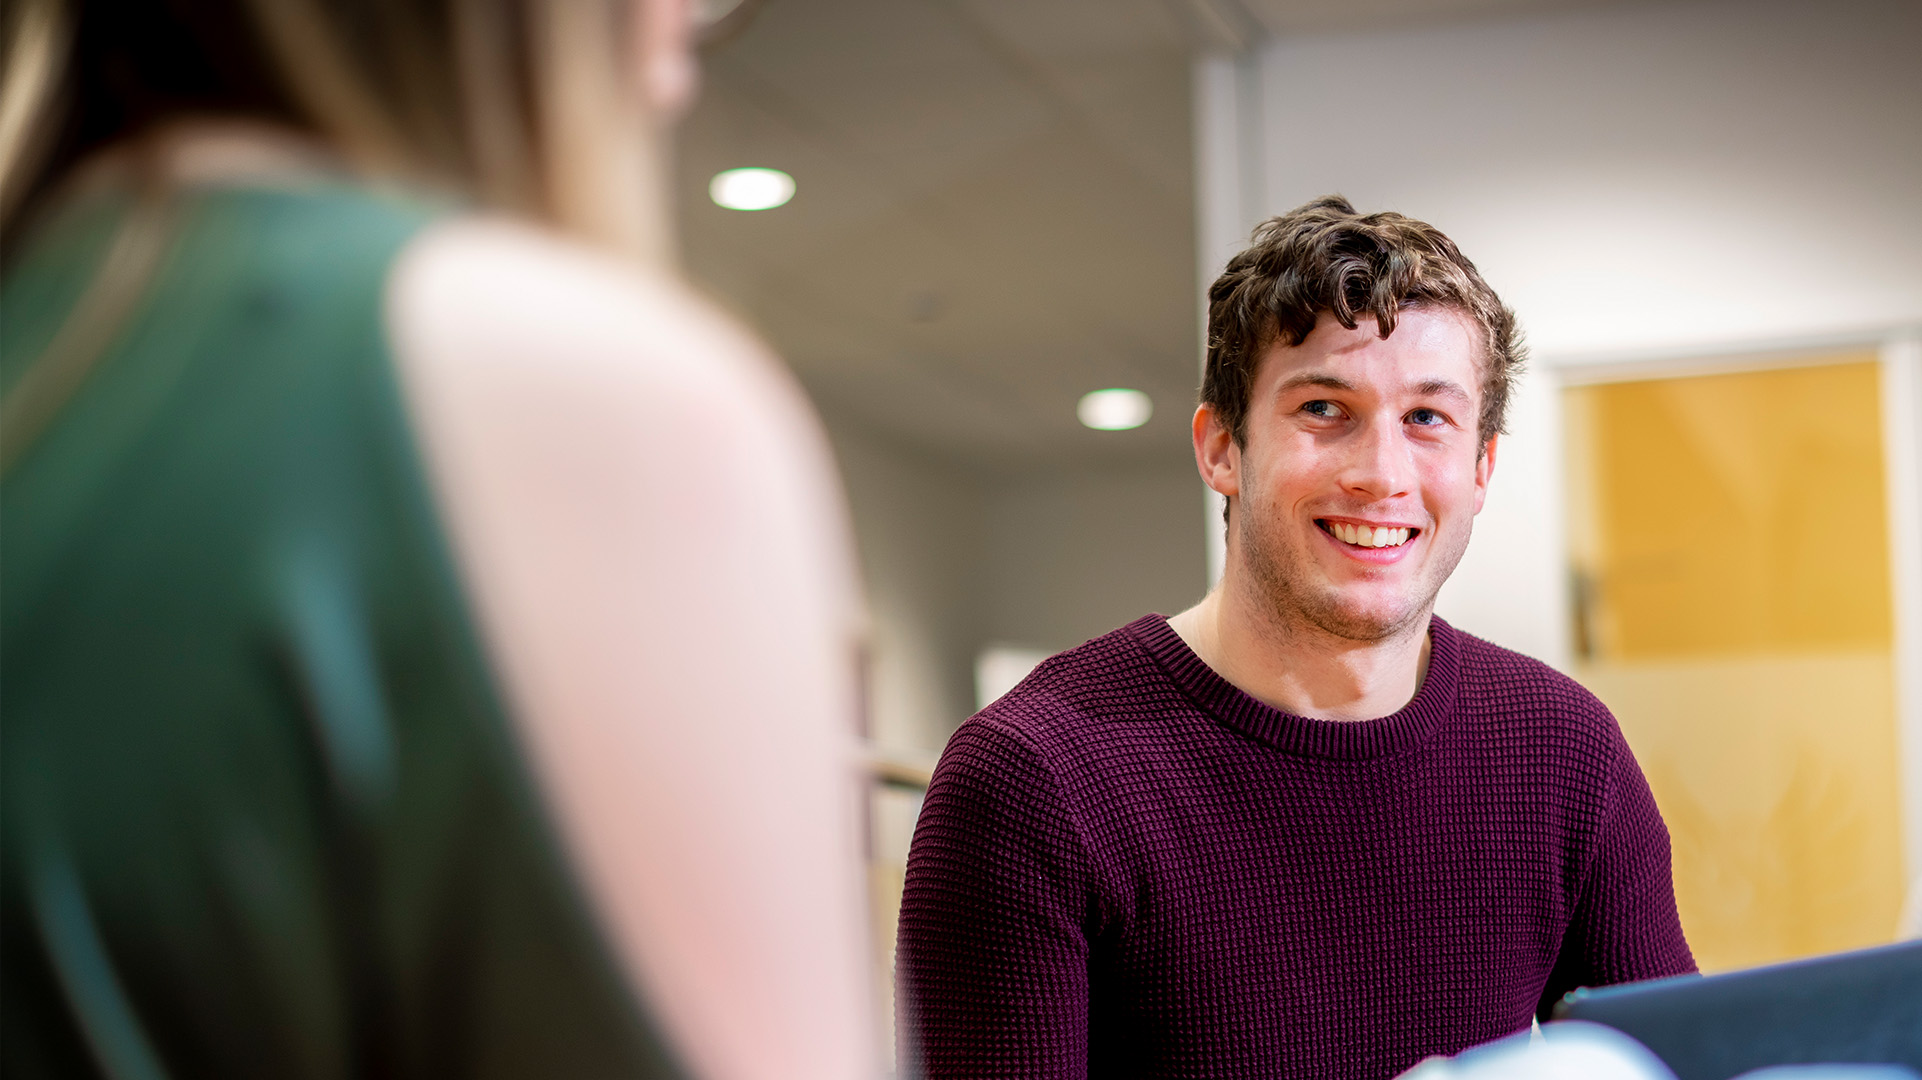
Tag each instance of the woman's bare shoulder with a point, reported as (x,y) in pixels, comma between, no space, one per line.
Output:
(547,351)
(517,345)
(474,291)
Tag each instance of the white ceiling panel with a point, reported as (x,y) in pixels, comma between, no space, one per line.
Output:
(994,215)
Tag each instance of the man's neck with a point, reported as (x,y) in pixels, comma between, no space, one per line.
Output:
(1304,670)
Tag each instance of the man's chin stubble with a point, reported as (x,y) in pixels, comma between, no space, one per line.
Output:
(1293,606)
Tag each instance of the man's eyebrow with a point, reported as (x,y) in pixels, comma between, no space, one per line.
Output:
(1443,388)
(1314,378)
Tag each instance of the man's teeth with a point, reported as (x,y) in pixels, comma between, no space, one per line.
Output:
(1363,536)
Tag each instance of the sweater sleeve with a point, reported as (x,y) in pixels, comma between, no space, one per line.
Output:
(1625,927)
(992,963)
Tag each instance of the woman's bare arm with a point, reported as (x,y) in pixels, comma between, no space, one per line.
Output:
(648,523)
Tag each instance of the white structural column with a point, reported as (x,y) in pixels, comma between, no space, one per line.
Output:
(1511,586)
(1902,439)
(1229,145)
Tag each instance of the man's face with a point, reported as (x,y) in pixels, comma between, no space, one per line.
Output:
(1361,472)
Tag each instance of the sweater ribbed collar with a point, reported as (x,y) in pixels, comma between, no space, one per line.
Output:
(1342,740)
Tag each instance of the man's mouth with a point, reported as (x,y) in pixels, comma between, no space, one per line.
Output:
(1367,536)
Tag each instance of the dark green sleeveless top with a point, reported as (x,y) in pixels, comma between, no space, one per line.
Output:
(262,814)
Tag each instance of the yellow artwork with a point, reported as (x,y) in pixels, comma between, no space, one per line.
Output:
(1730,550)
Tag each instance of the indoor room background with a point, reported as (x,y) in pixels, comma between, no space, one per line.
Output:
(1707,213)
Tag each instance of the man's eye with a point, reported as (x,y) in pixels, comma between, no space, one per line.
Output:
(1426,418)
(1322,408)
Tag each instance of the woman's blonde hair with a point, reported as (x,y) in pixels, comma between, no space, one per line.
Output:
(528,106)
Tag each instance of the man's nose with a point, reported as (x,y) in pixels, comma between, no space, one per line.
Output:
(1378,465)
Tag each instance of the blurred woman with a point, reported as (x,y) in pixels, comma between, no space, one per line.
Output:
(427,640)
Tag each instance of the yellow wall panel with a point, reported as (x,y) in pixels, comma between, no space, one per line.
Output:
(1730,545)
(1737,513)
(1778,782)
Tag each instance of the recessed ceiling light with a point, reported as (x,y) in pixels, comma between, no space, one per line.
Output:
(751,189)
(1114,409)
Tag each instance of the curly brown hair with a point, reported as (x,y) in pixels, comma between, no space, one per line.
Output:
(1325,257)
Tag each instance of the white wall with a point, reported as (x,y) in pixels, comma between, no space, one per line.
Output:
(922,532)
(1077,553)
(1636,177)
(954,560)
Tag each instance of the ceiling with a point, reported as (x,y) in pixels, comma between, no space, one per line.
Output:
(1343,16)
(995,208)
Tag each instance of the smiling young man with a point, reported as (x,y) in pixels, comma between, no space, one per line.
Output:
(1304,828)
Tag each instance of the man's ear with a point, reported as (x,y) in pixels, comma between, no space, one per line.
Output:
(1216,456)
(1484,468)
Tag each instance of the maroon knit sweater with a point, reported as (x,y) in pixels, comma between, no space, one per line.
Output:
(1128,867)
